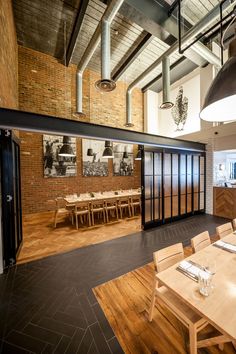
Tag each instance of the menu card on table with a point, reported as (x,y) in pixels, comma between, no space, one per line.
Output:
(192,270)
(225,246)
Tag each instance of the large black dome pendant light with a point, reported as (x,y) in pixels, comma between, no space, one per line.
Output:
(220,101)
(66,149)
(108,151)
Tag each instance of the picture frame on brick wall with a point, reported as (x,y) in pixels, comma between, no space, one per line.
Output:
(123,162)
(93,164)
(54,164)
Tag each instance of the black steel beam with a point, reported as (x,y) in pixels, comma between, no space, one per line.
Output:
(13,119)
(133,55)
(76,29)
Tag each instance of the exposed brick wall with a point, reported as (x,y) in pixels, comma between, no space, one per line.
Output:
(8,57)
(48,87)
(38,193)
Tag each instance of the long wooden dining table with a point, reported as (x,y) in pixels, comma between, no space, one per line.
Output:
(101,196)
(219,307)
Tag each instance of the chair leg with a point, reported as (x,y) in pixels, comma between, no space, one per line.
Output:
(120,212)
(129,211)
(192,339)
(107,215)
(117,214)
(89,219)
(92,218)
(55,219)
(76,221)
(104,216)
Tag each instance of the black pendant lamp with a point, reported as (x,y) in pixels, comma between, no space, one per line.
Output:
(66,149)
(90,152)
(139,153)
(108,151)
(125,155)
(220,101)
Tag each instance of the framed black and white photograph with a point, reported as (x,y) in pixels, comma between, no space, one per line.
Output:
(123,162)
(93,162)
(59,156)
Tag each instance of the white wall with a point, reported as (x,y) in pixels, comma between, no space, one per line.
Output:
(151,112)
(191,89)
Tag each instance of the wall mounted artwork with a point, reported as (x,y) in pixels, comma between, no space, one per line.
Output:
(123,162)
(93,162)
(180,110)
(59,156)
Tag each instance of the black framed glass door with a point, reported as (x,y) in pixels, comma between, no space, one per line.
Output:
(11,197)
(173,185)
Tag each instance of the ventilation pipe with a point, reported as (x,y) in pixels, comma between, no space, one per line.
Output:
(105,84)
(193,32)
(166,102)
(109,14)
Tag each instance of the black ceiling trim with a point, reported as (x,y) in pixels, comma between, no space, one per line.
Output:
(14,119)
(76,29)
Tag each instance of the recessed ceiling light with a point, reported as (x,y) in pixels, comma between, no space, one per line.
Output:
(34,71)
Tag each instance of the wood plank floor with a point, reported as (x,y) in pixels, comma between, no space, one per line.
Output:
(125,302)
(41,239)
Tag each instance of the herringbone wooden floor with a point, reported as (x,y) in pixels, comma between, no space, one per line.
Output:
(41,239)
(47,306)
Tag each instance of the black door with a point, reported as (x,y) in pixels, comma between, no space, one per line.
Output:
(173,184)
(11,197)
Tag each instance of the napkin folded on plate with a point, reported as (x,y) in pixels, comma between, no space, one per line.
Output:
(192,270)
(225,246)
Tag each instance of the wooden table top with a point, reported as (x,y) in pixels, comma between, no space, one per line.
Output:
(99,196)
(219,307)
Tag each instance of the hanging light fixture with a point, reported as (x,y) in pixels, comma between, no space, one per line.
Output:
(219,105)
(108,151)
(66,149)
(125,155)
(139,153)
(90,152)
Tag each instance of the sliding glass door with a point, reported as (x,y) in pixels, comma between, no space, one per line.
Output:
(173,185)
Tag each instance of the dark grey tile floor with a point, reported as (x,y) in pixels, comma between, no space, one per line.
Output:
(48,306)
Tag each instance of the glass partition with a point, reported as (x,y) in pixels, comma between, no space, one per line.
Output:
(173,185)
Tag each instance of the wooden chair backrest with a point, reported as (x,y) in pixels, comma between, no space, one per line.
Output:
(135,199)
(234,224)
(224,230)
(110,202)
(168,256)
(124,200)
(82,205)
(97,204)
(60,202)
(200,241)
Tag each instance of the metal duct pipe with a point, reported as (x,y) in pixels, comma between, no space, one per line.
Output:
(193,32)
(105,84)
(109,14)
(166,102)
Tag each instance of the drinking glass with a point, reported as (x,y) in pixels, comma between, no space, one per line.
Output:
(205,282)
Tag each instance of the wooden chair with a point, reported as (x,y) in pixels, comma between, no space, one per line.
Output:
(97,207)
(234,224)
(61,210)
(124,203)
(200,241)
(224,230)
(163,259)
(81,210)
(111,205)
(135,202)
